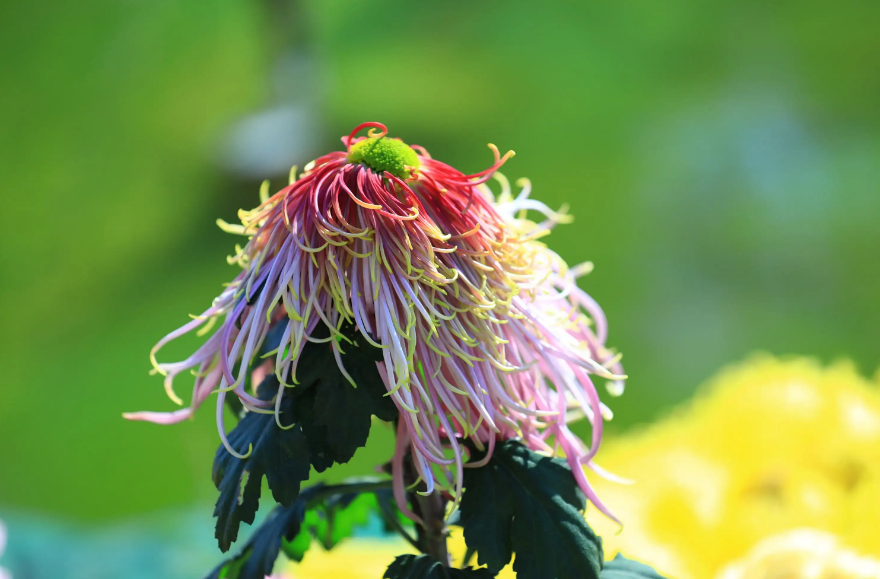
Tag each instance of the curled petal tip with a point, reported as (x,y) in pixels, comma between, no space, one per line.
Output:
(615,388)
(608,475)
(159,417)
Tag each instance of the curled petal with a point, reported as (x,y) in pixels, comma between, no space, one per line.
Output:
(482,331)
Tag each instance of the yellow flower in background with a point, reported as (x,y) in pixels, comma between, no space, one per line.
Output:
(803,553)
(766,447)
(355,559)
(368,559)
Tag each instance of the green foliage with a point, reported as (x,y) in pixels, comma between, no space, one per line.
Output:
(295,549)
(331,521)
(383,154)
(326,513)
(528,504)
(426,567)
(328,420)
(257,557)
(622,568)
(282,456)
(334,414)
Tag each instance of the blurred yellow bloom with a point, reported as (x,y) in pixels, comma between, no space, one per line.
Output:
(354,559)
(804,553)
(368,559)
(766,447)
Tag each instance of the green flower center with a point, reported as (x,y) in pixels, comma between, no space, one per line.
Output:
(383,154)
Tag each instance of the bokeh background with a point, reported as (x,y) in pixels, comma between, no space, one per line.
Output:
(722,160)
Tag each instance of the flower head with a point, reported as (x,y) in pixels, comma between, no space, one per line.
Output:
(483,331)
(768,446)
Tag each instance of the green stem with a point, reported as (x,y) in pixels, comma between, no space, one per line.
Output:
(431,509)
(394,522)
(432,536)
(366,486)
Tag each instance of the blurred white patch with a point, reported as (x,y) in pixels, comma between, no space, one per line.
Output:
(269,142)
(803,553)
(4,574)
(861,420)
(800,398)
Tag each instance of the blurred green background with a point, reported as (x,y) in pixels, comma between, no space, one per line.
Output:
(722,160)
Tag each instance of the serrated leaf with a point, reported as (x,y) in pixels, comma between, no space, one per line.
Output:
(296,548)
(343,514)
(329,418)
(336,415)
(291,529)
(426,567)
(528,504)
(257,556)
(336,519)
(622,568)
(282,456)
(330,522)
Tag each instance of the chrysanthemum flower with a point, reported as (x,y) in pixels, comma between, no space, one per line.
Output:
(484,333)
(803,554)
(767,447)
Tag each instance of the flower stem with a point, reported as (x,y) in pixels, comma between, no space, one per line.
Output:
(319,493)
(431,537)
(392,520)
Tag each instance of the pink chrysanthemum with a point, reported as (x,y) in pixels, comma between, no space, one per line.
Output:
(483,331)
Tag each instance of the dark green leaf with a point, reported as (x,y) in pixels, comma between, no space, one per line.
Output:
(331,521)
(257,557)
(336,416)
(296,548)
(622,568)
(329,418)
(328,513)
(282,456)
(344,514)
(425,567)
(528,504)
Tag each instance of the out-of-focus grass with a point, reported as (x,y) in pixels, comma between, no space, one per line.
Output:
(109,116)
(719,157)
